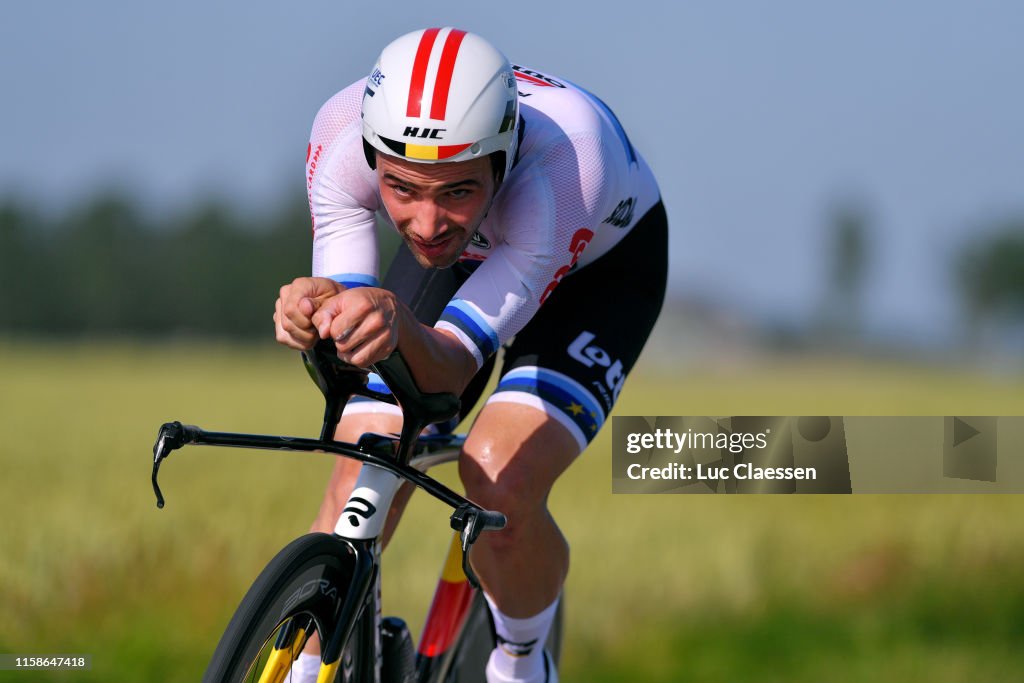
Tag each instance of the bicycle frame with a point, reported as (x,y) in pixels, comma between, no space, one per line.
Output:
(446,618)
(361,522)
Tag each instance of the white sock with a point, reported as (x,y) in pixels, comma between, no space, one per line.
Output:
(305,669)
(519,657)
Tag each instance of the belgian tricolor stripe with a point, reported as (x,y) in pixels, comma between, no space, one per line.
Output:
(425,152)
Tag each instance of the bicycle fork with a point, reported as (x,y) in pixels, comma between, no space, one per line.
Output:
(360,525)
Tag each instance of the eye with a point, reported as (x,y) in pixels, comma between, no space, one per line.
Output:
(459,193)
(401,190)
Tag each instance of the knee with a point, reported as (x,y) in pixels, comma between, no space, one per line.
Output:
(512,491)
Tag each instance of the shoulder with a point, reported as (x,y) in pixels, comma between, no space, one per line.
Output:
(575,166)
(336,170)
(567,135)
(563,143)
(554,109)
(339,112)
(344,104)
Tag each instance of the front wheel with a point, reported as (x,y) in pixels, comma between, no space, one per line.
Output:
(299,593)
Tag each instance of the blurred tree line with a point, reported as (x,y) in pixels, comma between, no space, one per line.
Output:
(990,272)
(107,267)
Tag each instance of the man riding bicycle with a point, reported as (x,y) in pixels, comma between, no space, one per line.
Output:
(529,222)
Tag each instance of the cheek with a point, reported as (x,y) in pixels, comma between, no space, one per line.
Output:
(472,212)
(398,211)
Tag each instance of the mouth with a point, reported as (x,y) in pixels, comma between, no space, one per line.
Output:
(434,248)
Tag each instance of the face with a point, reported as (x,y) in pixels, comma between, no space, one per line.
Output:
(436,207)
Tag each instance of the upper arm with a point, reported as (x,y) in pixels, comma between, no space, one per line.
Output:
(342,194)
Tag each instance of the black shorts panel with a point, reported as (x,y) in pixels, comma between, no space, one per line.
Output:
(591,330)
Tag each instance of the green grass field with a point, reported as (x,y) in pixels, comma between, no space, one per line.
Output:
(662,588)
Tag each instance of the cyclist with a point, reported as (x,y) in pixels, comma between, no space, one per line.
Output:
(529,222)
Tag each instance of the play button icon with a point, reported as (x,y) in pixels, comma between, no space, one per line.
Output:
(969,448)
(962,431)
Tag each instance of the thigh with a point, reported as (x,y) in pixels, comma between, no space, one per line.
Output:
(512,457)
(572,359)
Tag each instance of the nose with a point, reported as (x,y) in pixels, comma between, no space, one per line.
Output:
(430,221)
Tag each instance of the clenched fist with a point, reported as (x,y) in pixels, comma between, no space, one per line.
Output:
(296,304)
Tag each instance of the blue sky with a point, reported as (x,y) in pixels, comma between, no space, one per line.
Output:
(756,117)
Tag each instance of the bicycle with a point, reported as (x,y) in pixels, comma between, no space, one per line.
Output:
(330,584)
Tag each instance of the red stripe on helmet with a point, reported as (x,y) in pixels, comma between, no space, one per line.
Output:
(419,71)
(439,102)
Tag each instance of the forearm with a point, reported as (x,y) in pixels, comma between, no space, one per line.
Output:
(368,323)
(439,362)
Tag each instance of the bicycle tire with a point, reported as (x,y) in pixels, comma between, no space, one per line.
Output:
(308,579)
(477,640)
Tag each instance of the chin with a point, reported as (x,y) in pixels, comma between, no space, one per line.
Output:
(446,263)
(437,262)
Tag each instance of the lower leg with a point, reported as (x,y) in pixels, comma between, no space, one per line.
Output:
(512,458)
(523,572)
(522,577)
(520,653)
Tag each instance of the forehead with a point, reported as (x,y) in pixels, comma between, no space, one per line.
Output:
(434,174)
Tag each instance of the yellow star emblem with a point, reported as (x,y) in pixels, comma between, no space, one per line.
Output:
(574,408)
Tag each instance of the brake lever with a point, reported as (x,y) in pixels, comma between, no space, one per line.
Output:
(160,451)
(467,535)
(172,436)
(469,521)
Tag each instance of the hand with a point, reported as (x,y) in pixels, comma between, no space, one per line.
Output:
(295,306)
(363,322)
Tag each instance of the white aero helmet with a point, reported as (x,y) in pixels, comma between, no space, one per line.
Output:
(441,95)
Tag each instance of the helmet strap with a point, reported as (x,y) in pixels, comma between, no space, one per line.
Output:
(371,155)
